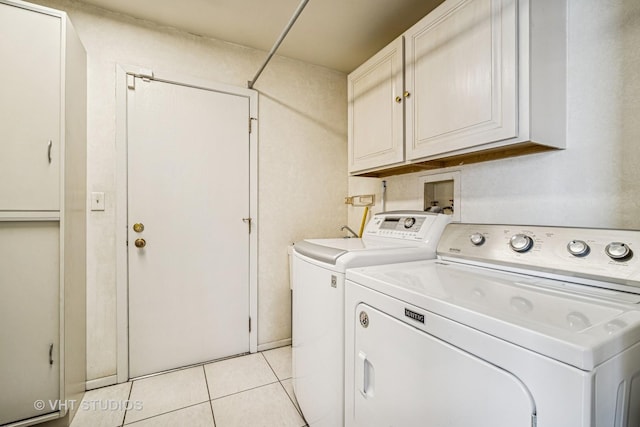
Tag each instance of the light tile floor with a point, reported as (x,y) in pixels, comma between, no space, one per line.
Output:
(248,391)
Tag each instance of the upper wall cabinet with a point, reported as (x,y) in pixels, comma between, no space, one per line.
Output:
(31,129)
(376,110)
(483,79)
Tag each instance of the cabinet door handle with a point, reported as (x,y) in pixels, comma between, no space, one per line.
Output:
(398,99)
(51,354)
(49,150)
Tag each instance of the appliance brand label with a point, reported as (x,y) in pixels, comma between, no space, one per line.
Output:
(455,250)
(413,315)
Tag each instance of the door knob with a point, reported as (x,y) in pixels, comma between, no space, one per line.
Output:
(138,227)
(140,243)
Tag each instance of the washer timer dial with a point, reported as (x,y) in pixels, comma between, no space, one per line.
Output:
(521,242)
(477,239)
(617,250)
(408,222)
(578,248)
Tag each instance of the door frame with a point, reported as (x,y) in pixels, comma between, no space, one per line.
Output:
(123,73)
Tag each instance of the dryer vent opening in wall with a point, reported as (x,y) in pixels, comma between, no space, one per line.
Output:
(441,193)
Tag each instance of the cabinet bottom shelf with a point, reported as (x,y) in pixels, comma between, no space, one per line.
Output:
(460,159)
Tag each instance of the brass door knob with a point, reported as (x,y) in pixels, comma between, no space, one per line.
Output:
(406,94)
(398,99)
(140,243)
(138,227)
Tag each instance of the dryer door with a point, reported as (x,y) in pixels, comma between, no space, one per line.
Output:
(406,377)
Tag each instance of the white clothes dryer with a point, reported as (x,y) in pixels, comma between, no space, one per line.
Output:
(511,326)
(318,277)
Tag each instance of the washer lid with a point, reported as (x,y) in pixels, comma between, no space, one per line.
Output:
(324,253)
(330,250)
(546,316)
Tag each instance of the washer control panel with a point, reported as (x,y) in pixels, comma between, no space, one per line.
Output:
(406,225)
(598,254)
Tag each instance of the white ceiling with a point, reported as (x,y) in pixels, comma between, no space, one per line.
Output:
(338,34)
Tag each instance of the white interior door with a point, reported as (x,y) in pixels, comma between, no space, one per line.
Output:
(188,185)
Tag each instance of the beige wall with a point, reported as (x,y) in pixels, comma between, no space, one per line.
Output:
(302,156)
(595,182)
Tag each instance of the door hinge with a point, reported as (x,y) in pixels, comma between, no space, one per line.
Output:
(249,324)
(250,124)
(248,221)
(145,74)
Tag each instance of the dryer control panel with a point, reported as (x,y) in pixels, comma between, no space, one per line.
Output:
(588,253)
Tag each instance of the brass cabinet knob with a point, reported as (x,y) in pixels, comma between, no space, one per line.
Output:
(406,94)
(138,227)
(398,99)
(140,243)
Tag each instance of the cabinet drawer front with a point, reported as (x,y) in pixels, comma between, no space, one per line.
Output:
(30,109)
(29,315)
(462,72)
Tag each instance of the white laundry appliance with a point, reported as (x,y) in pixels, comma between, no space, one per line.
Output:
(511,326)
(318,276)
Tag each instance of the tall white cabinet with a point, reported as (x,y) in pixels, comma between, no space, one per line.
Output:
(42,215)
(483,79)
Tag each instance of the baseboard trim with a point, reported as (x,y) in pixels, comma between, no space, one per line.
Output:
(101,382)
(274,344)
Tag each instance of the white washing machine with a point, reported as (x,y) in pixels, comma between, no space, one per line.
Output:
(318,276)
(510,327)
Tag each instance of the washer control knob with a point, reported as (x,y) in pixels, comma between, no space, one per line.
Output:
(521,242)
(617,250)
(408,222)
(477,239)
(578,248)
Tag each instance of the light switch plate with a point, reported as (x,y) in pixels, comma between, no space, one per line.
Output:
(97,201)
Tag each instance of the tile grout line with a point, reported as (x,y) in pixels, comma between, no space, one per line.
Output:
(242,391)
(299,411)
(269,365)
(165,413)
(209,394)
(124,416)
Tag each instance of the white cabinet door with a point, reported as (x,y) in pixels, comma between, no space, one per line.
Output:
(461,70)
(406,377)
(29,315)
(376,110)
(30,109)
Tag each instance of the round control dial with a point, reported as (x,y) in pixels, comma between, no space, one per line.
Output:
(521,242)
(578,248)
(408,222)
(476,239)
(617,250)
